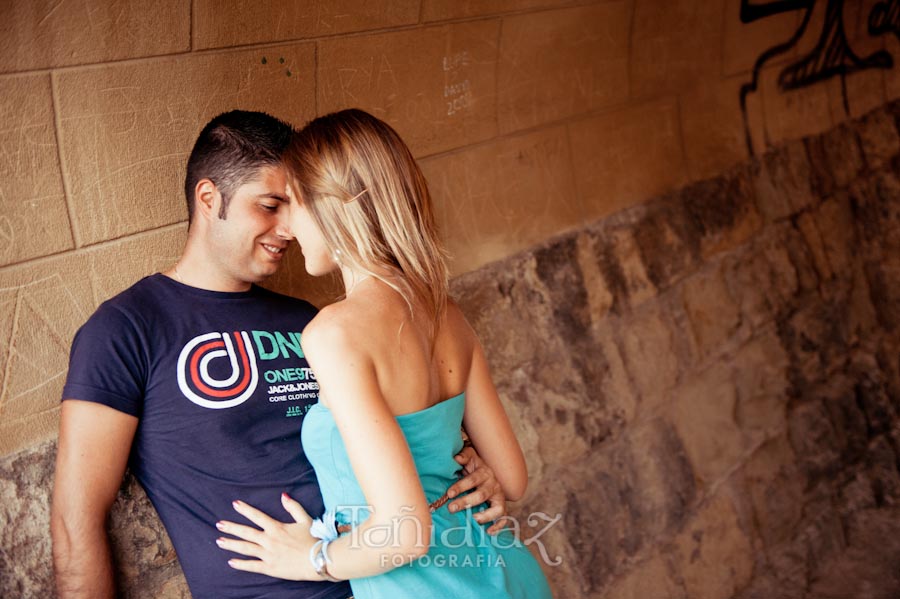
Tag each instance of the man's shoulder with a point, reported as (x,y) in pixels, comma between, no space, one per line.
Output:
(133,304)
(140,296)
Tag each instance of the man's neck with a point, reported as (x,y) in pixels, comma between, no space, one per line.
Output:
(207,283)
(199,271)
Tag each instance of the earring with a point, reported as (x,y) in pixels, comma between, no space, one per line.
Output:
(336,256)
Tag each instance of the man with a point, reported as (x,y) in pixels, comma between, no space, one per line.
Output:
(199,376)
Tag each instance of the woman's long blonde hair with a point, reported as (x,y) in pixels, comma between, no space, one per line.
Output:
(368,197)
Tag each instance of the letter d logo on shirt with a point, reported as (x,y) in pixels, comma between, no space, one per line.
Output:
(199,386)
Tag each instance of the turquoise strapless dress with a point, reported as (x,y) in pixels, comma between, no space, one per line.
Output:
(463,561)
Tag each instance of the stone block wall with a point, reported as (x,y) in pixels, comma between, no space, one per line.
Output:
(708,385)
(690,305)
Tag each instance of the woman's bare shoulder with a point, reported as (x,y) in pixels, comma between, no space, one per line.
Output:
(456,334)
(331,328)
(358,322)
(455,321)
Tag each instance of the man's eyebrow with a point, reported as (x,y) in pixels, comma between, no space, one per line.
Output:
(275,196)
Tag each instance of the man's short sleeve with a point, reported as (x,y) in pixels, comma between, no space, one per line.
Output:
(108,363)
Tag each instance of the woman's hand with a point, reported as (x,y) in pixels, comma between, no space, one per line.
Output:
(281,549)
(480,477)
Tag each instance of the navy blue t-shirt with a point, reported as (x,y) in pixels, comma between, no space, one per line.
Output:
(220,386)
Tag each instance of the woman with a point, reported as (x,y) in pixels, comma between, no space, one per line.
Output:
(399,370)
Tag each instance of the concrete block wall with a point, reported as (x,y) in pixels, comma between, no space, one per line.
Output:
(531,119)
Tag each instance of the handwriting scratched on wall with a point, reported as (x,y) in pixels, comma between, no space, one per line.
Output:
(832,56)
(34,344)
(457,87)
(481,197)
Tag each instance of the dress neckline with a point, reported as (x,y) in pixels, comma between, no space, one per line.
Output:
(450,400)
(434,406)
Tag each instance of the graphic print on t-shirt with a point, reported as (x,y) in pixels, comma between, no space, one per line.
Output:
(201,387)
(220,370)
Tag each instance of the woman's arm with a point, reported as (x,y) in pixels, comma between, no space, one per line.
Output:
(378,453)
(489,429)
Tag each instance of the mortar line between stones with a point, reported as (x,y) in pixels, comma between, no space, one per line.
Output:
(685,163)
(9,353)
(723,42)
(292,41)
(63,171)
(497,77)
(316,79)
(631,18)
(570,164)
(561,122)
(31,262)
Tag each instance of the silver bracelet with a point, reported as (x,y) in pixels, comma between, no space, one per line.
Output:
(318,557)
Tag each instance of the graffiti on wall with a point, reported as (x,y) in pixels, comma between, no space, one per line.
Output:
(831,56)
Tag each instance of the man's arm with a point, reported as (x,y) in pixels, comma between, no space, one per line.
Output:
(94,443)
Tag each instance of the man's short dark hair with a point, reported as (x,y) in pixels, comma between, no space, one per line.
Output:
(230,151)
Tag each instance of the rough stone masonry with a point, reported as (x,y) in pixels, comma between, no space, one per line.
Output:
(706,387)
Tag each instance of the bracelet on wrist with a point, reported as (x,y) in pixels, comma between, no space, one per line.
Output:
(318,557)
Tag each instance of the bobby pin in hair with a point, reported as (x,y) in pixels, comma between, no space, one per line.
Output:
(356,196)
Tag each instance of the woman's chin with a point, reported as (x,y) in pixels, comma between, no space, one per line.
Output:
(317,270)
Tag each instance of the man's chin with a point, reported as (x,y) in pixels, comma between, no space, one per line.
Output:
(262,276)
(261,273)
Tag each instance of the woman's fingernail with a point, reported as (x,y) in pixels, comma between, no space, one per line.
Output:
(453,509)
(219,541)
(236,503)
(220,525)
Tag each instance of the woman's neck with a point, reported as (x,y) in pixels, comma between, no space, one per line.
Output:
(352,278)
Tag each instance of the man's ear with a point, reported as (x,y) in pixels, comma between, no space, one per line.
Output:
(207,198)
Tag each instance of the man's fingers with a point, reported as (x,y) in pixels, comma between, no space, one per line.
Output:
(469,482)
(496,512)
(465,456)
(468,458)
(492,513)
(499,525)
(475,498)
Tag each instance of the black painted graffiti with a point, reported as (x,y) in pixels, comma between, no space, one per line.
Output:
(832,55)
(751,11)
(885,18)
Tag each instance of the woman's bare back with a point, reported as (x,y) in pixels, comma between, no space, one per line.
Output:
(412,373)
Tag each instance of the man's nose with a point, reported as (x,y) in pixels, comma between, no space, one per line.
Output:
(282,229)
